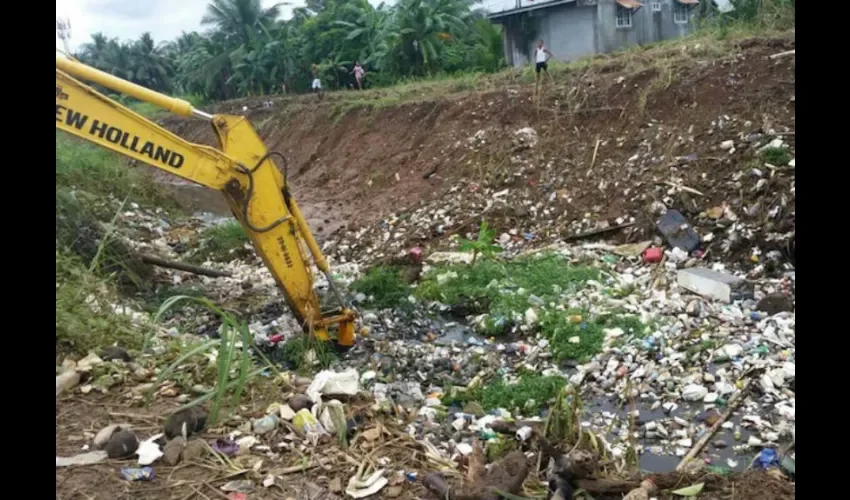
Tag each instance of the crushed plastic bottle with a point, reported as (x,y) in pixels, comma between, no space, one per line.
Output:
(265,424)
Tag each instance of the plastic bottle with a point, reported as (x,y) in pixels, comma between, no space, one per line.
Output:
(265,424)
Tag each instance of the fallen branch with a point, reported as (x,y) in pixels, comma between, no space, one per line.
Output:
(593,160)
(734,402)
(595,232)
(684,188)
(606,486)
(180,266)
(296,468)
(783,54)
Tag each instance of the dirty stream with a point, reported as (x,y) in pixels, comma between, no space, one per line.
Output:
(536,193)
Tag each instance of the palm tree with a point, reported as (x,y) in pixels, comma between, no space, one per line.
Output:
(239,18)
(151,67)
(369,32)
(421,26)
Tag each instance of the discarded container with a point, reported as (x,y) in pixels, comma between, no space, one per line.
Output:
(713,284)
(265,424)
(523,433)
(653,255)
(678,231)
(137,473)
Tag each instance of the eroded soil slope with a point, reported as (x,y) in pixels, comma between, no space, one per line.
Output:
(608,134)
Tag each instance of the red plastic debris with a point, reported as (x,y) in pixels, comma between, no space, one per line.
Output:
(277,337)
(653,255)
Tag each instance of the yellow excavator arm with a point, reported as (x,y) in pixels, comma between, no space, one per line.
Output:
(242,169)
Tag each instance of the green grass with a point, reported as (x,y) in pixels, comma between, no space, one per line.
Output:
(84,317)
(527,395)
(778,157)
(235,366)
(151,111)
(81,166)
(93,187)
(506,289)
(222,242)
(385,286)
(299,350)
(559,329)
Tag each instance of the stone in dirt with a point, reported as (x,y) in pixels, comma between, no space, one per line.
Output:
(335,485)
(193,419)
(173,449)
(103,436)
(300,402)
(113,352)
(122,444)
(194,450)
(775,303)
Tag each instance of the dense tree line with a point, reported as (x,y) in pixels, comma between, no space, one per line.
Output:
(246,49)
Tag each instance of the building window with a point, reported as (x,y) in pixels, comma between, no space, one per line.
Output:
(681,13)
(656,6)
(624,17)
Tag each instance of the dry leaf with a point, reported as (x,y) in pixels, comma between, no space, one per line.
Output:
(476,463)
(372,434)
(690,491)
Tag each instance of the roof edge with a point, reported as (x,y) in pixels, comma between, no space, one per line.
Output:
(506,13)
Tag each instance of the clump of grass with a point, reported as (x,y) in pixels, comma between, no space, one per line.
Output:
(222,242)
(482,245)
(702,346)
(230,352)
(156,297)
(90,182)
(385,286)
(84,167)
(151,111)
(506,286)
(306,352)
(529,393)
(84,317)
(561,326)
(776,156)
(499,447)
(80,232)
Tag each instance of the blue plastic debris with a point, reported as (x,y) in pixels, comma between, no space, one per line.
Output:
(767,458)
(137,474)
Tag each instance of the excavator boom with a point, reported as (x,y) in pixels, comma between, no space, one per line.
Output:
(241,169)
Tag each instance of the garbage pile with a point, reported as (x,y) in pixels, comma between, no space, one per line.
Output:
(697,371)
(735,184)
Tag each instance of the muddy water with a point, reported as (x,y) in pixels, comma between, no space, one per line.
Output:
(652,462)
(194,198)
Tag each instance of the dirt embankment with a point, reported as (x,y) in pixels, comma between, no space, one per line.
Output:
(354,157)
